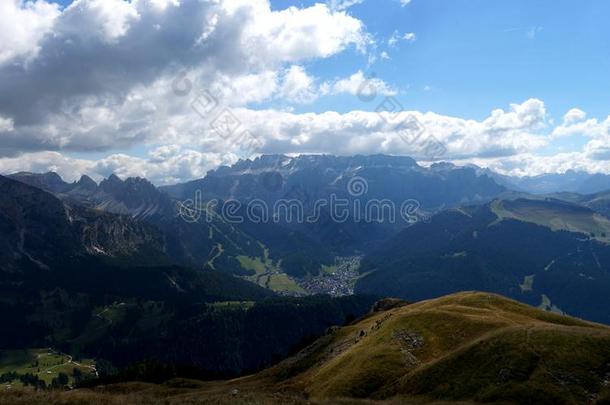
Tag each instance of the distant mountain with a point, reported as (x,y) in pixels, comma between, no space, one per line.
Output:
(313,178)
(570,181)
(599,202)
(200,244)
(46,241)
(39,230)
(50,181)
(99,284)
(86,258)
(210,242)
(134,196)
(296,247)
(544,252)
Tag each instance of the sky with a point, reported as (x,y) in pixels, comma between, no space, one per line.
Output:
(169,89)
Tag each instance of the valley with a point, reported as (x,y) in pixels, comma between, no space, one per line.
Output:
(304,202)
(42,366)
(145,295)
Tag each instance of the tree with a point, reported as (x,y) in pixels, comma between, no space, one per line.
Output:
(77,375)
(60,381)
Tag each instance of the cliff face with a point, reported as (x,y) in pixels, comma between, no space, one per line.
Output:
(120,218)
(37,230)
(136,197)
(119,237)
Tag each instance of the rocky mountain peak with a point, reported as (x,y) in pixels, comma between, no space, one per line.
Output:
(49,181)
(86,182)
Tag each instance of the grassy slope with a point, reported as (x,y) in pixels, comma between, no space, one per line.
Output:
(43,363)
(268,275)
(556,216)
(463,347)
(467,346)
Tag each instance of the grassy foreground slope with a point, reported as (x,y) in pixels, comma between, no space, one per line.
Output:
(468,347)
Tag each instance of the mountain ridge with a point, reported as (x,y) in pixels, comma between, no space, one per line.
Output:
(468,347)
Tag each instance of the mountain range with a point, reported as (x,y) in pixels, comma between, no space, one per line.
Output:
(282,254)
(570,181)
(99,284)
(121,270)
(547,253)
(297,248)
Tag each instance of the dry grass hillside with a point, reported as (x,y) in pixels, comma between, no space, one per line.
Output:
(469,347)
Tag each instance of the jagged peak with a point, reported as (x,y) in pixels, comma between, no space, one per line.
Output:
(86,182)
(137,180)
(114,178)
(280,161)
(443,166)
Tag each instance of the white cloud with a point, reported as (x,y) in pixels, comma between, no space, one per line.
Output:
(404,3)
(107,20)
(360,85)
(294,34)
(599,149)
(6,124)
(574,115)
(165,165)
(409,36)
(23,25)
(397,37)
(508,141)
(340,5)
(529,115)
(531,164)
(575,123)
(503,133)
(102,76)
(298,86)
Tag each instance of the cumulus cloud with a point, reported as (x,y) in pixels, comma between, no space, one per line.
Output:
(506,141)
(531,164)
(157,75)
(575,123)
(164,165)
(92,76)
(360,85)
(504,134)
(298,86)
(23,25)
(574,115)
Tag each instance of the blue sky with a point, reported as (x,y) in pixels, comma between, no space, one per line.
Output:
(476,55)
(472,56)
(519,86)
